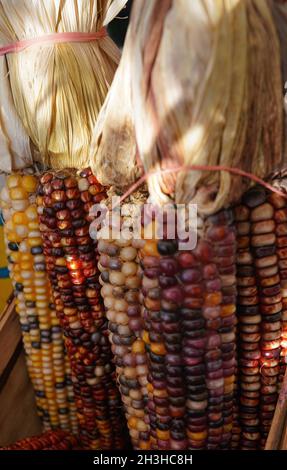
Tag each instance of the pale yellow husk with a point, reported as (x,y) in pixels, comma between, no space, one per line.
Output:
(203,87)
(56,90)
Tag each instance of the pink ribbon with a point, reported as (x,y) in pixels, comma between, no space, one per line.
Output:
(234,171)
(55,38)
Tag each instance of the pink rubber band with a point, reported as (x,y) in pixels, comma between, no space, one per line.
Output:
(234,171)
(56,38)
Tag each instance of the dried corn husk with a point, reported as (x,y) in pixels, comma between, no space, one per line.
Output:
(57,90)
(15,151)
(279,12)
(204,87)
(114,140)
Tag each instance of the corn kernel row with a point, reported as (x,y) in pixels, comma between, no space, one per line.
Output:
(42,335)
(121,281)
(220,235)
(280,218)
(260,314)
(64,200)
(189,331)
(50,440)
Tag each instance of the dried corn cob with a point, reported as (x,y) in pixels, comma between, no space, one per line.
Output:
(260,310)
(248,323)
(249,334)
(189,335)
(42,335)
(121,281)
(280,216)
(93,193)
(170,400)
(140,129)
(263,242)
(160,410)
(63,206)
(50,440)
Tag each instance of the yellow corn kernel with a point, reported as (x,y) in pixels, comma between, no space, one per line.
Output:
(20,218)
(24,247)
(31,213)
(30,297)
(35,241)
(20,205)
(9,226)
(13,237)
(26,265)
(33,225)
(18,194)
(17,277)
(26,257)
(145,337)
(14,181)
(22,231)
(29,183)
(27,282)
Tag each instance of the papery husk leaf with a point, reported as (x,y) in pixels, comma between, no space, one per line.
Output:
(114,135)
(15,150)
(206,89)
(279,12)
(58,90)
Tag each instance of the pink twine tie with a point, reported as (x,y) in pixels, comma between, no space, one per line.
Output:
(51,39)
(234,171)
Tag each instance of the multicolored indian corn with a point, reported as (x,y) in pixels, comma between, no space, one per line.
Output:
(50,440)
(42,335)
(261,225)
(63,202)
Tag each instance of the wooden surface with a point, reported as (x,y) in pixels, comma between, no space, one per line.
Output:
(18,417)
(10,335)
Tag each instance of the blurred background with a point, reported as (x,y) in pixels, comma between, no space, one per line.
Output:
(118,27)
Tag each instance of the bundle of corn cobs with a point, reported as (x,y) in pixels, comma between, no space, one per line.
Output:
(198,333)
(195,301)
(50,97)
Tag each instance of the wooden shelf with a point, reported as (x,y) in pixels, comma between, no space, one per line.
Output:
(18,416)
(10,335)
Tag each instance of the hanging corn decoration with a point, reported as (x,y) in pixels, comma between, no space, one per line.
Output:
(203,286)
(42,336)
(63,202)
(174,125)
(121,281)
(50,440)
